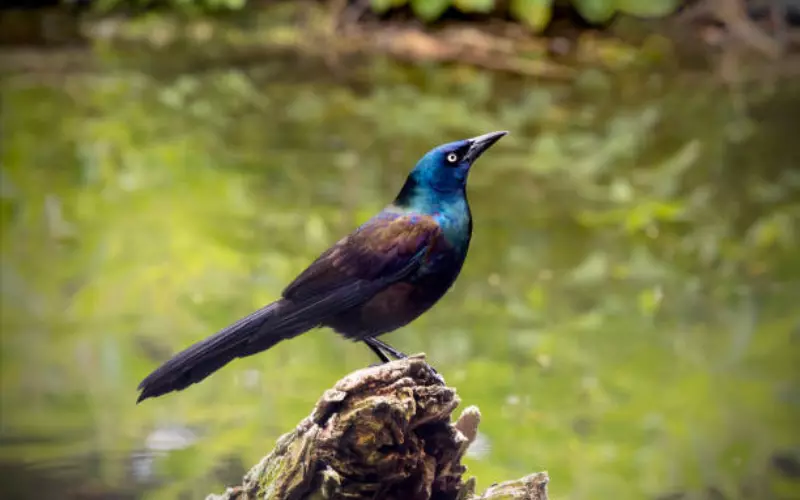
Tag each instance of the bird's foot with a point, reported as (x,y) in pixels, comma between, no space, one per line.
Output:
(381,349)
(438,376)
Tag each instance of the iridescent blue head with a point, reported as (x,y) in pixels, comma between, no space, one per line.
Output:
(444,169)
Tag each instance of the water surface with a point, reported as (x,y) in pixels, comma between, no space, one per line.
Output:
(627,317)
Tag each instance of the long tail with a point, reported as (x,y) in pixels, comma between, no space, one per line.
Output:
(250,335)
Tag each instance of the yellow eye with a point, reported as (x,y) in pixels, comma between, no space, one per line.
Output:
(452,157)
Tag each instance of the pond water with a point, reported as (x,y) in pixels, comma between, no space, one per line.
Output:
(627,317)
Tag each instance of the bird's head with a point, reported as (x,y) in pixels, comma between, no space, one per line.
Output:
(444,169)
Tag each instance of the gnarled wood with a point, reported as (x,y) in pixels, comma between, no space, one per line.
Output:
(384,432)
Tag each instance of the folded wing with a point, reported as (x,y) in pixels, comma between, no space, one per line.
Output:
(383,251)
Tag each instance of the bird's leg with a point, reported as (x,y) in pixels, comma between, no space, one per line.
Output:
(377,349)
(384,347)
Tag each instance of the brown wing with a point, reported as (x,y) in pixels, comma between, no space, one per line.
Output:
(384,250)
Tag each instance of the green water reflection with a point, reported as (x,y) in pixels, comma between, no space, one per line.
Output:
(627,318)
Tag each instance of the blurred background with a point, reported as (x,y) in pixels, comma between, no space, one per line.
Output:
(628,315)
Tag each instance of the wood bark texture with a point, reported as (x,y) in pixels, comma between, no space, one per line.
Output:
(385,433)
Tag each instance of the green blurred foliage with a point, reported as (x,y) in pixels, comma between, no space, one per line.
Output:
(429,9)
(595,11)
(185,5)
(536,14)
(626,319)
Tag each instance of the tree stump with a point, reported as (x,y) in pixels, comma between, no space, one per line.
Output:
(383,432)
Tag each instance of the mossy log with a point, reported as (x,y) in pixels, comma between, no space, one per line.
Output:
(384,432)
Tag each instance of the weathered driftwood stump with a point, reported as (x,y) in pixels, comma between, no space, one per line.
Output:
(383,432)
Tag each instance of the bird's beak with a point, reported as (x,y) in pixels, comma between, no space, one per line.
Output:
(481,143)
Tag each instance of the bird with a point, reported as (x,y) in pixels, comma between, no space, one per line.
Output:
(385,274)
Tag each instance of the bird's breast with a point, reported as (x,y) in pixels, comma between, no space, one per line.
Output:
(456,228)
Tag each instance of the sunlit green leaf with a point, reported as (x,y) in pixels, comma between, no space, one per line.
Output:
(474,5)
(647,8)
(596,11)
(381,6)
(227,4)
(649,300)
(429,10)
(535,13)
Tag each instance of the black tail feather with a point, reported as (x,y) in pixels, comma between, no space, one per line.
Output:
(278,321)
(200,360)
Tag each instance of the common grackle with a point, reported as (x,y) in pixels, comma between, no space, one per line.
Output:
(382,276)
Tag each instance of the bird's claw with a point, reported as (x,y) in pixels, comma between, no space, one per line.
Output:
(438,376)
